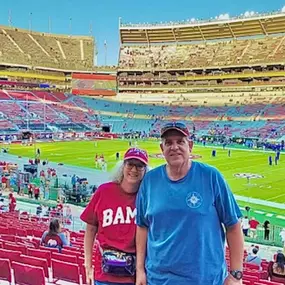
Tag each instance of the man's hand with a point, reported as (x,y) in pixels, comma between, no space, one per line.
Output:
(230,280)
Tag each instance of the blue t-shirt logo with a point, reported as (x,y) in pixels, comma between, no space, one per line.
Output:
(194,200)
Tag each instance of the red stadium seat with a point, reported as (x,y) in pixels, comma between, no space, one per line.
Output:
(35,261)
(11,255)
(8,238)
(267,282)
(251,279)
(65,271)
(51,249)
(251,266)
(4,230)
(15,247)
(28,275)
(64,257)
(5,272)
(43,254)
(71,252)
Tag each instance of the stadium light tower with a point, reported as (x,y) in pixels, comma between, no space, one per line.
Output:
(105,50)
(10,18)
(70,25)
(30,21)
(49,25)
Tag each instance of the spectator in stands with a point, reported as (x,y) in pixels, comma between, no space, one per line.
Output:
(111,215)
(266,226)
(253,257)
(245,225)
(181,209)
(276,270)
(4,182)
(12,202)
(253,223)
(54,237)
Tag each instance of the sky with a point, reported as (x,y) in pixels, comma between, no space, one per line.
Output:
(104,15)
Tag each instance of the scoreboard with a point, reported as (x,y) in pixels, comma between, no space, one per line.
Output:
(94,84)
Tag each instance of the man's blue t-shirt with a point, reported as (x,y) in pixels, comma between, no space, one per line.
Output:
(185,219)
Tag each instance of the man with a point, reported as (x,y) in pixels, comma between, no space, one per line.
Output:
(253,227)
(182,210)
(253,257)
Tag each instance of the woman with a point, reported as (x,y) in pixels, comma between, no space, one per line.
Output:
(276,270)
(55,237)
(111,215)
(266,226)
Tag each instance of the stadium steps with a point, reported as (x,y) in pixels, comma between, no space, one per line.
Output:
(32,38)
(14,43)
(81,50)
(61,49)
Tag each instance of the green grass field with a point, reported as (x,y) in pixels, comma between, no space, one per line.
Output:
(269,188)
(81,153)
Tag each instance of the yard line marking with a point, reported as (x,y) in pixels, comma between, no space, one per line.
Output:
(269,215)
(259,212)
(273,198)
(280,217)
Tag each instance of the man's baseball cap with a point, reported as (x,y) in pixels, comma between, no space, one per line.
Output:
(137,154)
(178,126)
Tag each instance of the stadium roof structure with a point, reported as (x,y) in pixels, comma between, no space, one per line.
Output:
(258,25)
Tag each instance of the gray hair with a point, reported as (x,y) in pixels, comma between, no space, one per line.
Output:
(117,174)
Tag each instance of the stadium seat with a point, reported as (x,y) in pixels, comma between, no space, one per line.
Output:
(42,254)
(51,249)
(15,247)
(8,237)
(64,257)
(267,282)
(35,261)
(11,255)
(65,271)
(28,275)
(5,272)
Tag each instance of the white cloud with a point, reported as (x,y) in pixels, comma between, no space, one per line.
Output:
(223,17)
(249,13)
(283,9)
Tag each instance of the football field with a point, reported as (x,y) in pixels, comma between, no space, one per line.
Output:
(267,182)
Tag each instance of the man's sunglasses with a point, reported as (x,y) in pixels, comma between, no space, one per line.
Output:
(178,125)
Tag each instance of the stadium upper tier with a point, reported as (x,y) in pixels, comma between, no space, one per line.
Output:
(190,31)
(247,52)
(40,50)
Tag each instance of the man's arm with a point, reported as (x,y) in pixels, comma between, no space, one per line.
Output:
(236,246)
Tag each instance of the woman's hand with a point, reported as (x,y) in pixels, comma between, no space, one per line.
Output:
(89,275)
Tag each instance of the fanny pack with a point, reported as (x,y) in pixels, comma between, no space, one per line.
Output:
(118,263)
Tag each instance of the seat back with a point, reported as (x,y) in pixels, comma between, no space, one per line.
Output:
(64,257)
(35,261)
(28,275)
(15,247)
(11,255)
(44,254)
(8,238)
(5,272)
(51,249)
(65,271)
(251,266)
